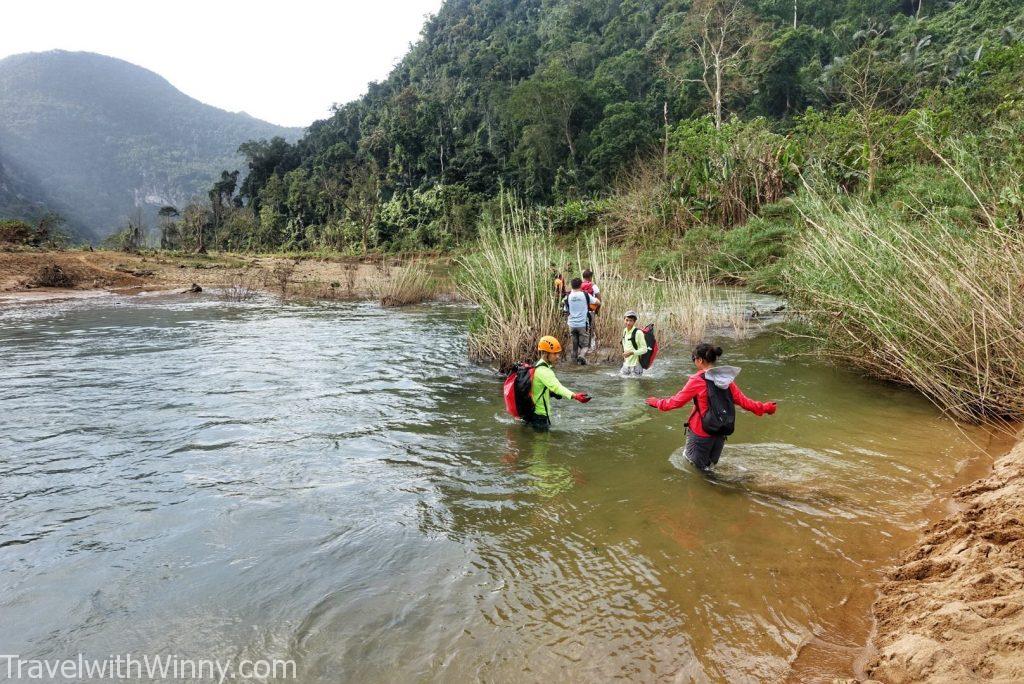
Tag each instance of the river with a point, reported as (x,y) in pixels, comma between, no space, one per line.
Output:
(337,485)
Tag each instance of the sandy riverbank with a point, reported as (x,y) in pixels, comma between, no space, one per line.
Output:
(952,610)
(97,272)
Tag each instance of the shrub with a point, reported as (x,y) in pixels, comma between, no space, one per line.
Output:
(52,275)
(723,176)
(574,215)
(15,232)
(46,232)
(753,247)
(641,207)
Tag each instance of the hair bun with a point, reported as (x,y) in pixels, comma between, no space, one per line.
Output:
(718,351)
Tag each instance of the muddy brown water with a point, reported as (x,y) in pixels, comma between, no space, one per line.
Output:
(337,485)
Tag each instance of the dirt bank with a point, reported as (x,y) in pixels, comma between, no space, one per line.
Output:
(952,610)
(27,274)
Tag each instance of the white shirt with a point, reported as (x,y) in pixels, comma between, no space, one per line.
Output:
(578,309)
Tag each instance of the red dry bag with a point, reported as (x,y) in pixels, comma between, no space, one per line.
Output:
(519,391)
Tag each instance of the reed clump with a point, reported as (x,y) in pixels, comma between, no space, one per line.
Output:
(932,304)
(405,285)
(509,277)
(677,304)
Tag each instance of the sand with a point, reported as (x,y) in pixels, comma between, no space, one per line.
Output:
(104,271)
(952,610)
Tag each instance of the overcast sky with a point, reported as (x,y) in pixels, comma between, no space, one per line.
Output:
(285,62)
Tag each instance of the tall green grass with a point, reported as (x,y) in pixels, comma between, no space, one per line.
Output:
(930,303)
(678,303)
(509,277)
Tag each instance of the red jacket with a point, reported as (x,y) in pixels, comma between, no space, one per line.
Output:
(697,387)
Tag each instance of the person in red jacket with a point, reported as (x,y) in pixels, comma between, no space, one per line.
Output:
(702,449)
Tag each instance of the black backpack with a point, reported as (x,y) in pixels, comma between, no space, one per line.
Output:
(720,419)
(647,360)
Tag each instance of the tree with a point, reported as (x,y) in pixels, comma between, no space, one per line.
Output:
(548,101)
(783,85)
(717,39)
(362,198)
(222,194)
(627,130)
(169,235)
(49,229)
(265,159)
(872,85)
(134,232)
(196,220)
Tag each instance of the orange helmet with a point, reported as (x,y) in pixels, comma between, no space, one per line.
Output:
(549,344)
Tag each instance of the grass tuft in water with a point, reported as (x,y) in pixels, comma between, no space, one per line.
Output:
(509,277)
(405,285)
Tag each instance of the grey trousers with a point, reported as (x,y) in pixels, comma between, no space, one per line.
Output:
(703,452)
(580,341)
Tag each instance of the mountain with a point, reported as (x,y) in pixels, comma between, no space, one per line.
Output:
(96,137)
(556,100)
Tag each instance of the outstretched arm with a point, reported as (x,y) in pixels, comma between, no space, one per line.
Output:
(758,408)
(547,377)
(680,398)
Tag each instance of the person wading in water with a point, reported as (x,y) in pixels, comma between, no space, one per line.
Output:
(577,307)
(634,345)
(714,395)
(546,385)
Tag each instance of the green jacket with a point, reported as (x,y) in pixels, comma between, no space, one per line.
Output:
(545,383)
(627,345)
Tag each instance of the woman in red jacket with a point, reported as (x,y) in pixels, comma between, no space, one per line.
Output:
(704,449)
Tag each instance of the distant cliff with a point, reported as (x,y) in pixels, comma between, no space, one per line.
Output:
(94,138)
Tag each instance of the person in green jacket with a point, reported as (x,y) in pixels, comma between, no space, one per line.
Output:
(634,345)
(546,385)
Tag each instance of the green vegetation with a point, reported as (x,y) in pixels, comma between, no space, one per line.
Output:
(928,293)
(863,157)
(509,277)
(627,116)
(47,232)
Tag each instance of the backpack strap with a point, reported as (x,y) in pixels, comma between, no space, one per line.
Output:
(696,406)
(544,390)
(632,339)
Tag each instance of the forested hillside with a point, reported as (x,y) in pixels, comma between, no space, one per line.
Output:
(646,117)
(23,198)
(101,137)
